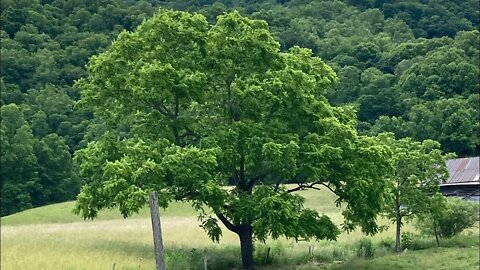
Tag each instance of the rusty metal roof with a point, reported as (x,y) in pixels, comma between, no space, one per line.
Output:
(463,170)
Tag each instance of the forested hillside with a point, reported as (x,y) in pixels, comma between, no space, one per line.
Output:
(409,67)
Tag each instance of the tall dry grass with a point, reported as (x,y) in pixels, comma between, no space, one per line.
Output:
(52,238)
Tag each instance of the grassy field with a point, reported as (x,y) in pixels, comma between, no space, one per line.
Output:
(438,259)
(52,237)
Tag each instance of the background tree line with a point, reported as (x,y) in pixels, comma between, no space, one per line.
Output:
(408,67)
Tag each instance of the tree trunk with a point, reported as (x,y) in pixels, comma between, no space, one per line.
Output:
(398,247)
(398,223)
(435,231)
(246,246)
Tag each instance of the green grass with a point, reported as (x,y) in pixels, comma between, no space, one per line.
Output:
(436,258)
(51,237)
(62,213)
(323,201)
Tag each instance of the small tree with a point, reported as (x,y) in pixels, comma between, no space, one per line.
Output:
(447,217)
(190,108)
(419,168)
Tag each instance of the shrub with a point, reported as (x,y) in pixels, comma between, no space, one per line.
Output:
(365,248)
(456,216)
(387,243)
(339,253)
(407,239)
(422,243)
(462,241)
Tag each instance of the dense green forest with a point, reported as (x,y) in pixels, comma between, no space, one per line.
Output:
(409,67)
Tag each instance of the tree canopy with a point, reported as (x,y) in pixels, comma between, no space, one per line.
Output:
(190,108)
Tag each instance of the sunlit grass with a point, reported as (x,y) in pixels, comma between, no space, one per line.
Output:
(438,259)
(323,201)
(52,237)
(62,213)
(96,245)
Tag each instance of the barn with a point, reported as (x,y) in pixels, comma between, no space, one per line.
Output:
(463,180)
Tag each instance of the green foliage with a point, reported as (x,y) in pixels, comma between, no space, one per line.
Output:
(419,168)
(454,217)
(387,243)
(19,176)
(441,73)
(203,105)
(408,239)
(464,258)
(49,43)
(414,241)
(393,59)
(34,171)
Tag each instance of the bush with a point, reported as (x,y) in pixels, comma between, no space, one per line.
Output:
(462,215)
(422,243)
(462,241)
(365,248)
(387,243)
(457,216)
(407,239)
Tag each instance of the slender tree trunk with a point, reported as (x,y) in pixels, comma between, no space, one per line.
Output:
(435,231)
(398,246)
(398,223)
(246,246)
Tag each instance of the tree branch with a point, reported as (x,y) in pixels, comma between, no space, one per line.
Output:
(163,110)
(251,183)
(327,186)
(277,185)
(227,223)
(302,186)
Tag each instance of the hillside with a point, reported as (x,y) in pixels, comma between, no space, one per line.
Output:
(409,68)
(323,201)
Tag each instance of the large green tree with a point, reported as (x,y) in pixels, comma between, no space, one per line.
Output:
(190,108)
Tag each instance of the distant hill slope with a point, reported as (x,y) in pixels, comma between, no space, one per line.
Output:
(322,200)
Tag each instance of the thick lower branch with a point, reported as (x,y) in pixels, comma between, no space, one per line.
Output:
(253,181)
(331,189)
(302,186)
(227,223)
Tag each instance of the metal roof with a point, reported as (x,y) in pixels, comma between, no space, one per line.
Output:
(463,170)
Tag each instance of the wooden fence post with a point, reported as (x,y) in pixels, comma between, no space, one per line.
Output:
(157,231)
(266,256)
